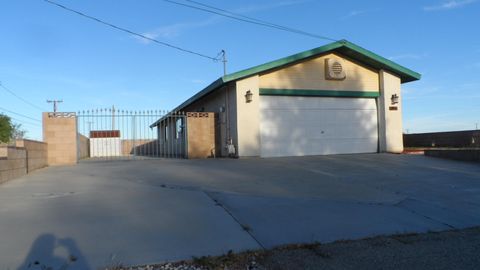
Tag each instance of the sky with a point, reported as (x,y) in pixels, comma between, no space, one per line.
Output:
(49,53)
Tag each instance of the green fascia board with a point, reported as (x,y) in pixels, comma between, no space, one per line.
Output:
(317,93)
(379,62)
(343,46)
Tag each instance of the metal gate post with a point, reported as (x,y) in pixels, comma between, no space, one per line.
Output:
(134,135)
(185,151)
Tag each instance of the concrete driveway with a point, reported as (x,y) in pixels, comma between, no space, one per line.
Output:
(137,212)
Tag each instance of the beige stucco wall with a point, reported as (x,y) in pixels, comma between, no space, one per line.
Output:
(310,75)
(390,121)
(60,134)
(248,120)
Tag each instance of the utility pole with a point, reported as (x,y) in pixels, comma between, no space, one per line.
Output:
(55,104)
(224,60)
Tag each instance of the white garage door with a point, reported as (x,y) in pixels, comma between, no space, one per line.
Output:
(297,126)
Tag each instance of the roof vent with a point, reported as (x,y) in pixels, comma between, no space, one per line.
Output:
(334,69)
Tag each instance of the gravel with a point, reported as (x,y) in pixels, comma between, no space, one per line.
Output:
(456,249)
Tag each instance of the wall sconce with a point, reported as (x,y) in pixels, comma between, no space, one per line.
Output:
(248,96)
(394,99)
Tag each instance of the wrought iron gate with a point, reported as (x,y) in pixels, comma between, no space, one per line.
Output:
(122,134)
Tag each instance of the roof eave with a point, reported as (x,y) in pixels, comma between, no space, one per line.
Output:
(405,74)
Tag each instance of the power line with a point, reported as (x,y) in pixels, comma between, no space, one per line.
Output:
(19,97)
(129,31)
(23,122)
(19,114)
(263,22)
(243,18)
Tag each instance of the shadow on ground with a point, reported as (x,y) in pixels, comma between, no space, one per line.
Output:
(50,252)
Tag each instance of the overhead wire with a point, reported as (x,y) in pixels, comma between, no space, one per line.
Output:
(19,97)
(23,122)
(243,18)
(130,31)
(19,114)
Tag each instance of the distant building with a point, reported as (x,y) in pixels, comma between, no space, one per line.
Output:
(105,143)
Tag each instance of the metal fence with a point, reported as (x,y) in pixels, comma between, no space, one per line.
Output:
(122,134)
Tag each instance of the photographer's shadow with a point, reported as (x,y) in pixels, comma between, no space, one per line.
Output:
(42,255)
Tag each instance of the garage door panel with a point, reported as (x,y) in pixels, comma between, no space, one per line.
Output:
(313,126)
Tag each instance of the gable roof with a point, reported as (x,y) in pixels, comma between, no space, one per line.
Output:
(344,47)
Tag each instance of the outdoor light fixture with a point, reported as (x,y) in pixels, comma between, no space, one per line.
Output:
(248,96)
(394,99)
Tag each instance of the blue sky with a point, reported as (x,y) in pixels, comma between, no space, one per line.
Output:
(47,53)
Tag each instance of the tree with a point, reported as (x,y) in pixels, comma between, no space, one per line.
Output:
(6,128)
(18,132)
(10,131)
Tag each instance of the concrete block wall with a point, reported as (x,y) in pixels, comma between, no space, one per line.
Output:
(60,134)
(84,146)
(13,163)
(201,134)
(457,139)
(36,153)
(140,147)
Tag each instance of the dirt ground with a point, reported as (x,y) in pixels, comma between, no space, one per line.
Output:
(457,249)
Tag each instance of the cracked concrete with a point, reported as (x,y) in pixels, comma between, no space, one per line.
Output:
(150,211)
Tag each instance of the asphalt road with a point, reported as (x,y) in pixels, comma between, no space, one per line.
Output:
(138,212)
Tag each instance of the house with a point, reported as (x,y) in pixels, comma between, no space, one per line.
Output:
(335,99)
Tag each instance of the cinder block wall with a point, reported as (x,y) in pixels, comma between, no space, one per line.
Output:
(457,139)
(140,147)
(36,154)
(84,146)
(201,134)
(60,134)
(13,163)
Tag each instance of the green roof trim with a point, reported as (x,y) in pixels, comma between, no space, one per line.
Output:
(343,47)
(317,93)
(369,58)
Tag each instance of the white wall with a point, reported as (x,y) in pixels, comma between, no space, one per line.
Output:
(105,147)
(390,121)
